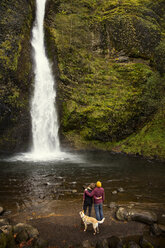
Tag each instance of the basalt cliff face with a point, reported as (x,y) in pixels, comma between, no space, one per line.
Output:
(109,61)
(15,73)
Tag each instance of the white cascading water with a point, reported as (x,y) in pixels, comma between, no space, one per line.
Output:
(43,111)
(46,145)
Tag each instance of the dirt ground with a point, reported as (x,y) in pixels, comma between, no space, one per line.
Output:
(59,223)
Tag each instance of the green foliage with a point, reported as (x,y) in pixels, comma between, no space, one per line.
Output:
(7,241)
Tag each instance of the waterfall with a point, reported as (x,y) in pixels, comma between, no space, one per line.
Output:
(43,108)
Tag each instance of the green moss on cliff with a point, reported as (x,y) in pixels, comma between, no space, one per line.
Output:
(15,68)
(108,59)
(150,140)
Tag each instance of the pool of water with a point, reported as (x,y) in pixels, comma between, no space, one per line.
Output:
(29,181)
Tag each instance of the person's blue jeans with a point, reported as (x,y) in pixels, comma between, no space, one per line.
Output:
(99,211)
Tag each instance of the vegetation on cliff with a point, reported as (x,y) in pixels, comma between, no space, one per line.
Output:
(15,72)
(111,58)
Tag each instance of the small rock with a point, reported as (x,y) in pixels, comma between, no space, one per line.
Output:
(120,190)
(114,192)
(4,222)
(122,59)
(112,205)
(6,229)
(74,191)
(1,210)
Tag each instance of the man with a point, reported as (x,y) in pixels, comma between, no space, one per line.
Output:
(98,196)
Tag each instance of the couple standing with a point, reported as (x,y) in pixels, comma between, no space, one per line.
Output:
(94,192)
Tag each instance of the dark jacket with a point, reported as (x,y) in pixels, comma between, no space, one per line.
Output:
(87,199)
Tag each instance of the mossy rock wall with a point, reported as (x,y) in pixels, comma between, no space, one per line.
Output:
(15,72)
(110,57)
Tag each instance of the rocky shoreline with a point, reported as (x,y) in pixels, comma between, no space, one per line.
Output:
(125,226)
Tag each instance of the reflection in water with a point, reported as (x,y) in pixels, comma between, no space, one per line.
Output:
(23,183)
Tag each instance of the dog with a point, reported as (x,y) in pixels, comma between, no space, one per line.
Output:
(90,220)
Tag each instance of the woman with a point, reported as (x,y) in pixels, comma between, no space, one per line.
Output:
(99,196)
(88,200)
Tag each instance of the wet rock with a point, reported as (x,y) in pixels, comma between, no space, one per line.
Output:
(102,244)
(114,192)
(133,244)
(155,229)
(136,215)
(122,214)
(112,205)
(40,243)
(120,190)
(6,229)
(1,210)
(114,242)
(144,243)
(122,59)
(86,244)
(22,236)
(162,228)
(158,229)
(4,222)
(32,232)
(143,216)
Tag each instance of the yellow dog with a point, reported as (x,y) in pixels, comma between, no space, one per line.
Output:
(90,220)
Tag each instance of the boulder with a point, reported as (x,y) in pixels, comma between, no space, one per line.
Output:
(114,242)
(144,216)
(122,214)
(140,215)
(31,231)
(22,236)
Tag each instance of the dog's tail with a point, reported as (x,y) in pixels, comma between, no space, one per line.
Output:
(101,221)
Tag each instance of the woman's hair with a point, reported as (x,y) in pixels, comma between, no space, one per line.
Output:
(92,185)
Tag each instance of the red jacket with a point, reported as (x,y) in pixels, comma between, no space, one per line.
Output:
(98,195)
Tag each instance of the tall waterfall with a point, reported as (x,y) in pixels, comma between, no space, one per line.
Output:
(43,111)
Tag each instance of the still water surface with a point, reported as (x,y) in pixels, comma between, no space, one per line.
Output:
(25,182)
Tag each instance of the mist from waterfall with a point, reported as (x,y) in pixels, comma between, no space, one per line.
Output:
(43,108)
